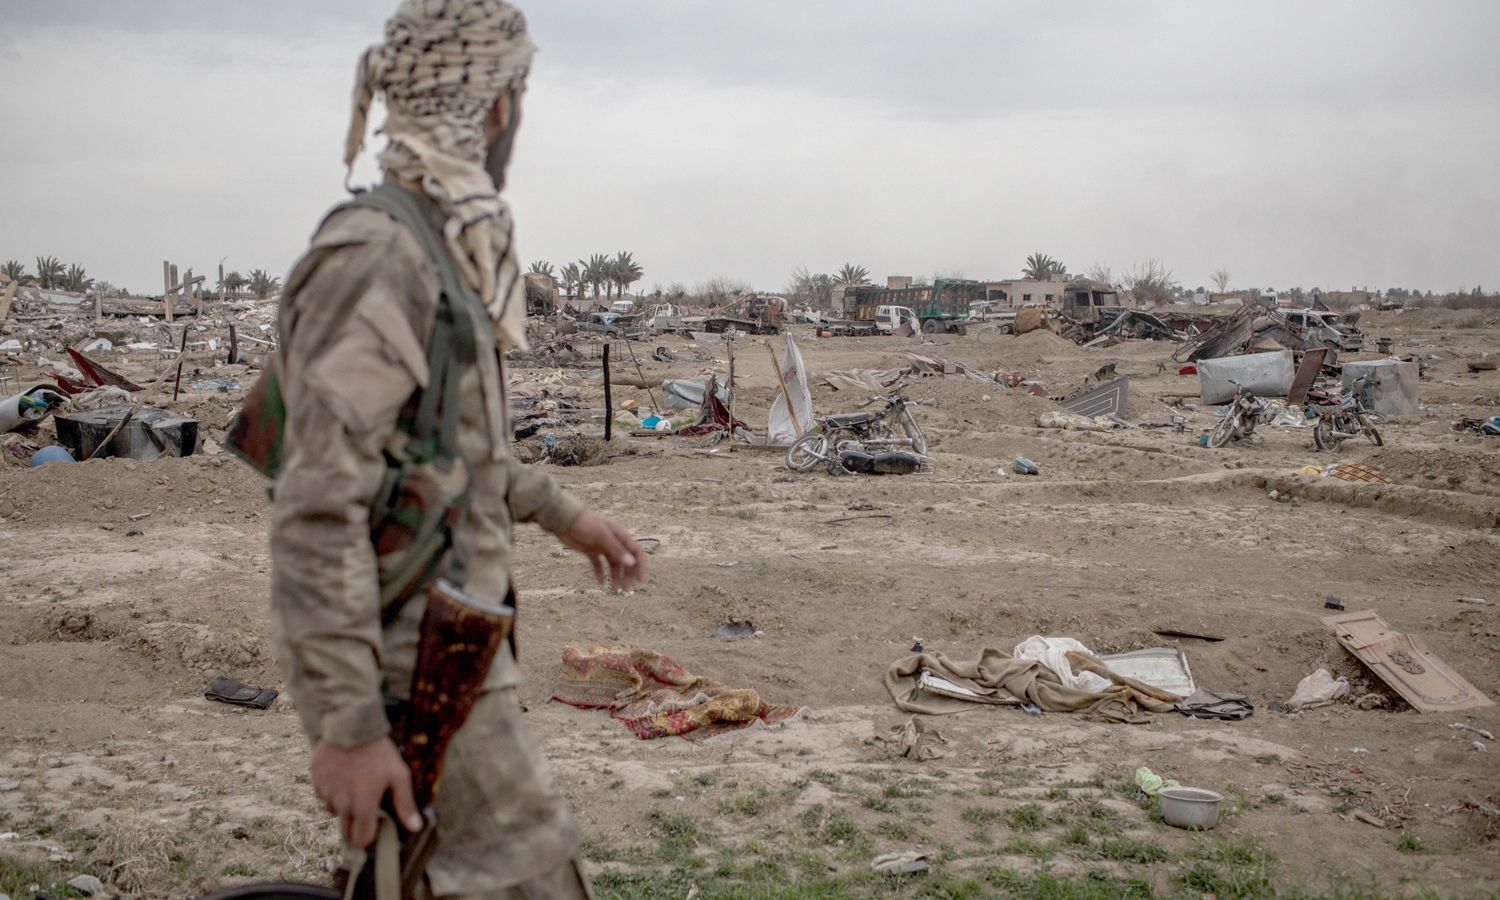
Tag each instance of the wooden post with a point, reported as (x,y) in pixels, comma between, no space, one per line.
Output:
(642,375)
(5,301)
(786,394)
(182,352)
(98,308)
(234,344)
(729,342)
(609,405)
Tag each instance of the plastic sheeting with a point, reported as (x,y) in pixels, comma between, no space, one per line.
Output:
(687,393)
(783,426)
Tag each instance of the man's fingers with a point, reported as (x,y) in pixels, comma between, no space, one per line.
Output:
(403,801)
(362,823)
(598,563)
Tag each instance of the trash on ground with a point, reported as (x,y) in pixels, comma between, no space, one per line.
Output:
(736,630)
(995,678)
(1405,664)
(1151,783)
(1318,689)
(915,739)
(653,696)
(29,407)
(1190,807)
(1024,466)
(1358,472)
(227,690)
(124,431)
(1460,726)
(53,454)
(904,863)
(1211,705)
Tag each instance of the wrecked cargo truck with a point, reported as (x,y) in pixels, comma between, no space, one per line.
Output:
(942,306)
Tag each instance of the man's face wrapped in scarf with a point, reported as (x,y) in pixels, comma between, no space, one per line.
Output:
(442,68)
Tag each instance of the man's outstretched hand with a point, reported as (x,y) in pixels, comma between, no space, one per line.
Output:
(609,547)
(351,782)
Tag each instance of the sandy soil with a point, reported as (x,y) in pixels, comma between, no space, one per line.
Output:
(110,627)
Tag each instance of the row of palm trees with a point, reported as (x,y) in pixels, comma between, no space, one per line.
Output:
(51,274)
(260,283)
(614,274)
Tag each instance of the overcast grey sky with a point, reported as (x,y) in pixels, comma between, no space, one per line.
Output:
(1294,143)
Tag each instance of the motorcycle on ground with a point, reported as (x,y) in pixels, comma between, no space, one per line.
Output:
(1244,413)
(867,441)
(1340,416)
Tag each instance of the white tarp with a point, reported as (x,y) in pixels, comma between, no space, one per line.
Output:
(780,429)
(1052,652)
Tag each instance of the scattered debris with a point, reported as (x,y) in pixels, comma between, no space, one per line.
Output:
(903,863)
(736,630)
(1318,689)
(1460,726)
(1024,466)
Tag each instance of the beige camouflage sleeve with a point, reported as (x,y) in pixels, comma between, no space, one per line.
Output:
(535,497)
(343,392)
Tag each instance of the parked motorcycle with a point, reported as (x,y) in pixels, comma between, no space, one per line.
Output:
(1340,416)
(871,433)
(1245,412)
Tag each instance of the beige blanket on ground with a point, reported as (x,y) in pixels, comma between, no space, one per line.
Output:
(999,675)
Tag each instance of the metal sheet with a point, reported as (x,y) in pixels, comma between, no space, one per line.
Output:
(1160,667)
(1307,373)
(1267,374)
(1107,399)
(1392,390)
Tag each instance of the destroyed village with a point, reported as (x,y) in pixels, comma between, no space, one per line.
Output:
(951,490)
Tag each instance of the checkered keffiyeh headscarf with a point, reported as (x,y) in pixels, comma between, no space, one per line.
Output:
(441,67)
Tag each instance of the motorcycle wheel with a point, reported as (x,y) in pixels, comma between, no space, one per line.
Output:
(1374,435)
(1324,435)
(914,432)
(807,451)
(1222,433)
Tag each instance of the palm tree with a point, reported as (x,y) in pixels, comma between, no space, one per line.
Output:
(571,279)
(626,271)
(851,274)
(1041,267)
(262,284)
(49,271)
(233,282)
(541,267)
(13,269)
(596,273)
(77,280)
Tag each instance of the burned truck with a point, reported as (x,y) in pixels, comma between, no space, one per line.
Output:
(942,306)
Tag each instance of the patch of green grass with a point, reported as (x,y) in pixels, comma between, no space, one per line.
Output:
(824,777)
(1228,868)
(1076,835)
(1026,817)
(981,815)
(1057,793)
(677,837)
(896,831)
(17,874)
(748,804)
(237,870)
(1132,850)
(906,789)
(1410,843)
(1026,846)
(878,803)
(840,829)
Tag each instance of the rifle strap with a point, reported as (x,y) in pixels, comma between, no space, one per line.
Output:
(383,862)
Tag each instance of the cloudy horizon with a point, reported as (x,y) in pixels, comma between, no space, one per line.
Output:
(1339,144)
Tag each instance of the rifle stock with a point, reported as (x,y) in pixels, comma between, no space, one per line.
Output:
(459,639)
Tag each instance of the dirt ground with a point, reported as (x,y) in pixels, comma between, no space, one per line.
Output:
(111,625)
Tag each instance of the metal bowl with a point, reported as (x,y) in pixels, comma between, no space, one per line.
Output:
(1190,807)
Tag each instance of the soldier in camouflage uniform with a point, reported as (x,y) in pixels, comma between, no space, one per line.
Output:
(356,316)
